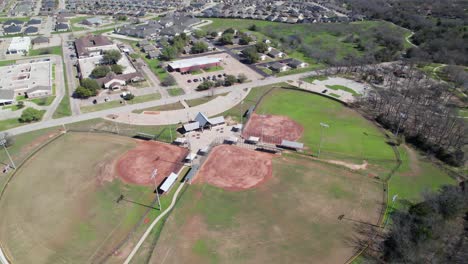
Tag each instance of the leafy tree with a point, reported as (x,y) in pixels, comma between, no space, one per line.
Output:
(229,31)
(226,39)
(117,69)
(230,80)
(111,56)
(199,47)
(214,34)
(245,39)
(30,115)
(82,92)
(261,47)
(169,80)
(205,85)
(168,53)
(241,78)
(122,18)
(90,84)
(100,71)
(9,139)
(251,55)
(199,34)
(253,27)
(219,82)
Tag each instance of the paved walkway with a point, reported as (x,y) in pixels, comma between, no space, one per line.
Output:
(148,231)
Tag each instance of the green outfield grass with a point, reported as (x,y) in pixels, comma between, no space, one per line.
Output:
(349,135)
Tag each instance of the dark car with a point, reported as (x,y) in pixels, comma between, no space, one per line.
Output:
(195,80)
(324,91)
(189,81)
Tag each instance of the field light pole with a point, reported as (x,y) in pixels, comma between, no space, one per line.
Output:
(153,177)
(3,143)
(241,103)
(322,125)
(394,198)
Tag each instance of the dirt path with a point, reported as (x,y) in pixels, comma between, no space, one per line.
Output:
(413,160)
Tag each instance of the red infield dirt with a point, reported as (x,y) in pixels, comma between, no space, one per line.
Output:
(234,168)
(272,128)
(137,164)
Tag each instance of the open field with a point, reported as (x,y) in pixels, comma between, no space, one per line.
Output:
(337,40)
(292,216)
(349,136)
(69,210)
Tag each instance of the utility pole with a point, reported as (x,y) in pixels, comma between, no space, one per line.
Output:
(3,143)
(153,177)
(322,125)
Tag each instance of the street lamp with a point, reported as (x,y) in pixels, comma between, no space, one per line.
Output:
(153,177)
(322,125)
(3,142)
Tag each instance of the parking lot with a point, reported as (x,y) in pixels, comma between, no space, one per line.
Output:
(230,66)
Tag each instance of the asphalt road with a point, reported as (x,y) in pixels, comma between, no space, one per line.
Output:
(129,108)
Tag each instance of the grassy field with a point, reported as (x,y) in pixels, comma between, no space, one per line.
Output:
(211,225)
(113,104)
(64,108)
(334,39)
(167,107)
(56,50)
(9,123)
(349,136)
(175,91)
(343,88)
(74,22)
(86,222)
(7,62)
(202,100)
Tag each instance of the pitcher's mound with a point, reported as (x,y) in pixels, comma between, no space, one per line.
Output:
(235,168)
(137,165)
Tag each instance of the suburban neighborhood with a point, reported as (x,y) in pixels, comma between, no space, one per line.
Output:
(206,131)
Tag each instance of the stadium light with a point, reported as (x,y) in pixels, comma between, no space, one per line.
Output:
(3,142)
(322,125)
(153,177)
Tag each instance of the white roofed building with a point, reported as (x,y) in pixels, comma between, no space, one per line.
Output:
(19,45)
(194,64)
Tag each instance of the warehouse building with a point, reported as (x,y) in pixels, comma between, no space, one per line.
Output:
(194,64)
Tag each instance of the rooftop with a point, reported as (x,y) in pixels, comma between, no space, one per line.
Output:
(193,62)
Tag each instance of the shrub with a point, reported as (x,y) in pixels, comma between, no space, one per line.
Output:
(30,115)
(169,81)
(205,85)
(230,80)
(117,69)
(100,71)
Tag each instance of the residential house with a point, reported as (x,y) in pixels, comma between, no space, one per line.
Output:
(278,67)
(274,53)
(297,64)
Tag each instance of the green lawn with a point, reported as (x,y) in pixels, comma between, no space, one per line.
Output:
(13,107)
(167,107)
(349,135)
(63,108)
(9,123)
(7,62)
(43,101)
(197,72)
(343,88)
(113,104)
(56,50)
(175,91)
(335,95)
(336,39)
(77,20)
(311,79)
(202,100)
(214,69)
